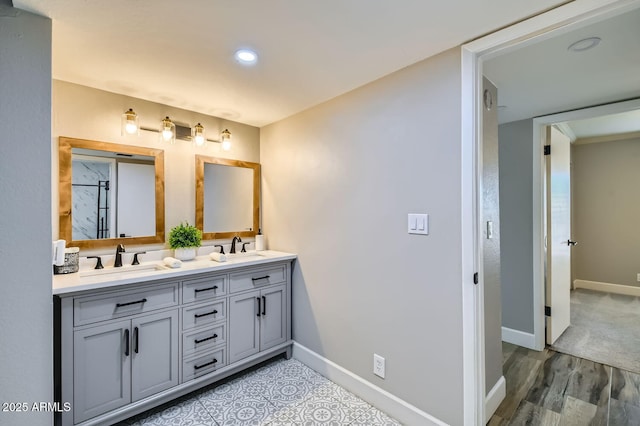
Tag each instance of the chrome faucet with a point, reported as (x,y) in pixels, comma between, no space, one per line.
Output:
(233,243)
(119,251)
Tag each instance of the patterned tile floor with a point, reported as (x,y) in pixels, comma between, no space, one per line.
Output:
(280,392)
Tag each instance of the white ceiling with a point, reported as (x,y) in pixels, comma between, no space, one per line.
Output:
(546,78)
(613,124)
(181,53)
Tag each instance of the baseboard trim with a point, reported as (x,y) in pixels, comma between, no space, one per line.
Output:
(494,398)
(520,338)
(378,397)
(607,287)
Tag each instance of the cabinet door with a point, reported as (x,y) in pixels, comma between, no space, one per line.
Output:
(273,320)
(154,354)
(101,370)
(244,324)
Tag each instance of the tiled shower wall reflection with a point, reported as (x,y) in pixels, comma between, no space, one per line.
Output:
(85,198)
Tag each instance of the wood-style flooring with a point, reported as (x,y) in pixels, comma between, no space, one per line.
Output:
(551,388)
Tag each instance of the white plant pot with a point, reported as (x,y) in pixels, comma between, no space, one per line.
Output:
(187,253)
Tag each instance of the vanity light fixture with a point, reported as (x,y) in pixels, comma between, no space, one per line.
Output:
(168,131)
(225,138)
(197,135)
(129,125)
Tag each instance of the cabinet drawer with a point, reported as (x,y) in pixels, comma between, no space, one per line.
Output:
(204,289)
(203,364)
(201,315)
(108,306)
(255,278)
(203,340)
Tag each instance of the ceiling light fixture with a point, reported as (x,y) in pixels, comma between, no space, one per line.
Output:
(246,56)
(129,123)
(584,44)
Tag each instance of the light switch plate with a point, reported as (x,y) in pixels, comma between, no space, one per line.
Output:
(418,223)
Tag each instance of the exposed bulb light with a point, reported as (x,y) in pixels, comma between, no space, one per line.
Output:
(130,123)
(246,56)
(225,139)
(197,134)
(168,131)
(584,44)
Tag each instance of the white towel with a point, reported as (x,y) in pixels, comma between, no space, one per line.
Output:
(172,262)
(218,257)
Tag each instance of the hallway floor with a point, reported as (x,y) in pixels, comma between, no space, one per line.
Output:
(280,392)
(549,388)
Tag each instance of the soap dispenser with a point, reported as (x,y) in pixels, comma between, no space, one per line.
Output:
(259,241)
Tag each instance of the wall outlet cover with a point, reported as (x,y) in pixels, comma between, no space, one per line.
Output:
(378,365)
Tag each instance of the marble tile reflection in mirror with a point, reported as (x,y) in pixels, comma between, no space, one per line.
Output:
(227,197)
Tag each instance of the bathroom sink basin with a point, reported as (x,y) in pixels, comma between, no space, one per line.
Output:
(123,270)
(250,255)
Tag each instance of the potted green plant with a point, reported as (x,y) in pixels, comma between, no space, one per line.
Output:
(185,239)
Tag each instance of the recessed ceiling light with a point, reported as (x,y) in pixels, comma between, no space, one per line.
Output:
(246,56)
(584,44)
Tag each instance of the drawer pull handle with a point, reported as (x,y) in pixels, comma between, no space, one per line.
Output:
(264,305)
(258,299)
(198,290)
(204,315)
(198,367)
(120,305)
(205,339)
(126,342)
(266,277)
(136,336)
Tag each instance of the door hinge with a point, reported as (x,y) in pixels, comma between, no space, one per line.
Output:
(547,311)
(475,278)
(547,149)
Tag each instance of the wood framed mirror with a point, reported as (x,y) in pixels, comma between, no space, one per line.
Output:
(110,193)
(227,197)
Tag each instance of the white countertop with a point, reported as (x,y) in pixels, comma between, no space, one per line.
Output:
(127,274)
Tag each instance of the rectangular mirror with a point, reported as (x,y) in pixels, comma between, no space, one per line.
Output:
(110,193)
(227,197)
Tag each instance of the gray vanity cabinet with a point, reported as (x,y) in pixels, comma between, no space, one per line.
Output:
(125,349)
(124,361)
(101,371)
(257,318)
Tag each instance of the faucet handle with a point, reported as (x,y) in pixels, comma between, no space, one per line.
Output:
(221,248)
(98,263)
(244,245)
(135,257)
(120,248)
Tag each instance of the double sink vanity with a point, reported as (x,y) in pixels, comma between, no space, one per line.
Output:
(133,337)
(130,340)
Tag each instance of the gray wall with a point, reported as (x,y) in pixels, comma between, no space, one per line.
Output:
(516,224)
(606,209)
(338,182)
(491,246)
(26,349)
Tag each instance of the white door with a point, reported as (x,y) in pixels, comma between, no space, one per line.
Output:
(558,277)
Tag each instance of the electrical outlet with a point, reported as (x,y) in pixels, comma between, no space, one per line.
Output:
(378,365)
(638,278)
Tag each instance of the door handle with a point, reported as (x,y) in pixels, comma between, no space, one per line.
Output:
(572,243)
(264,305)
(258,299)
(136,336)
